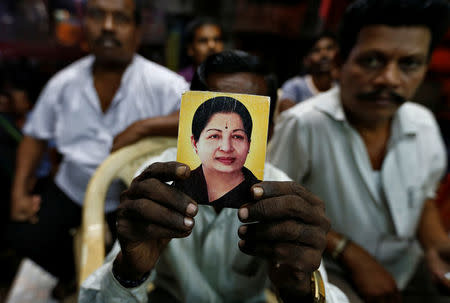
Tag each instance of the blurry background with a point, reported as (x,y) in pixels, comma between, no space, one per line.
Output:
(40,37)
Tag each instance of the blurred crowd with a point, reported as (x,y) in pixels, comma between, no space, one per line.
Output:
(344,127)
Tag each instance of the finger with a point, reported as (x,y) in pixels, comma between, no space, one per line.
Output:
(165,171)
(285,231)
(304,258)
(35,203)
(444,279)
(281,208)
(34,219)
(151,212)
(155,190)
(138,231)
(269,189)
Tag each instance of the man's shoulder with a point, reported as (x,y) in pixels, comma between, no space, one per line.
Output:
(295,81)
(310,110)
(418,115)
(74,71)
(154,71)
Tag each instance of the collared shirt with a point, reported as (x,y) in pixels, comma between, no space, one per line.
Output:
(207,266)
(317,147)
(69,112)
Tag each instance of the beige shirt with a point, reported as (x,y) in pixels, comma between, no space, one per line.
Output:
(317,147)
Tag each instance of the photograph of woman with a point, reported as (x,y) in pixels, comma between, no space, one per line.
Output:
(221,137)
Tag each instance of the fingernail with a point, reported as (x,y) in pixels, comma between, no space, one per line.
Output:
(191,209)
(243,213)
(243,229)
(181,171)
(188,222)
(241,243)
(258,192)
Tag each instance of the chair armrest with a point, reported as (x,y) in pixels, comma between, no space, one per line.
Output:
(121,164)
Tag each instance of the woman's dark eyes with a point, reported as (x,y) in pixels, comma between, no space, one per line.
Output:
(213,137)
(239,137)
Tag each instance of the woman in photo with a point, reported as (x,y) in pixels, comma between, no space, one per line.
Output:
(221,136)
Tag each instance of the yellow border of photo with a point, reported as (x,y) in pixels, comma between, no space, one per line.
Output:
(258,106)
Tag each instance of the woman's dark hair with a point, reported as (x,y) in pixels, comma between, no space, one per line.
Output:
(433,14)
(216,105)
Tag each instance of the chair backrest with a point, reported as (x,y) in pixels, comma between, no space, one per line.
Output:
(122,164)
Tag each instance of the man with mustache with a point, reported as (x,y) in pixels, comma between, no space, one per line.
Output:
(374,158)
(319,66)
(99,104)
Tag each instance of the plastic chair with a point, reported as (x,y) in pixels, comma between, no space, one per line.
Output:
(89,240)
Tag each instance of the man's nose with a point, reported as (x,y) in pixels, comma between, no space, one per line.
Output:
(389,76)
(212,44)
(108,23)
(226,145)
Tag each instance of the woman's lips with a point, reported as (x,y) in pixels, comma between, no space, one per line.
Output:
(226,160)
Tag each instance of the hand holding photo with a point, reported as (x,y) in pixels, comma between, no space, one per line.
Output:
(222,137)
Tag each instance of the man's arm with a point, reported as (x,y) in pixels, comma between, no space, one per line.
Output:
(24,206)
(372,281)
(158,126)
(435,242)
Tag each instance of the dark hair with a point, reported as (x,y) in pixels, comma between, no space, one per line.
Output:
(138,12)
(235,61)
(216,105)
(195,24)
(312,42)
(433,14)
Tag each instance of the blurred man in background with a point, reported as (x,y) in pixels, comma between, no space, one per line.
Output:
(204,37)
(374,158)
(98,104)
(319,66)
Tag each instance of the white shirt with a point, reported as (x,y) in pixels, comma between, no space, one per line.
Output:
(69,112)
(207,266)
(316,146)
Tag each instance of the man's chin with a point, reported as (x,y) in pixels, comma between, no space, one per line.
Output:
(112,59)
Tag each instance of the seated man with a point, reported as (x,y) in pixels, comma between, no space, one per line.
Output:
(209,263)
(374,158)
(98,104)
(319,66)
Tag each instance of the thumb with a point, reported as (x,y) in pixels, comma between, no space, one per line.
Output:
(36,203)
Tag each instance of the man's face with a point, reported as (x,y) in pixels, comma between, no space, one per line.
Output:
(384,69)
(207,40)
(320,58)
(111,30)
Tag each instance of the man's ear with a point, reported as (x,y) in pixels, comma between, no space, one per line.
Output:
(194,144)
(306,62)
(138,37)
(190,50)
(337,66)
